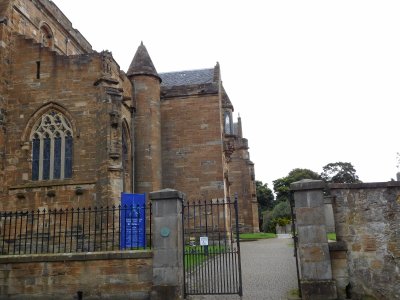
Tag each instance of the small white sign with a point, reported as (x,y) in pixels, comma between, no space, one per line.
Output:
(203,241)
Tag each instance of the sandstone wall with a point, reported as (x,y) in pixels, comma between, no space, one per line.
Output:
(242,183)
(104,275)
(192,146)
(87,89)
(367,220)
(28,17)
(4,73)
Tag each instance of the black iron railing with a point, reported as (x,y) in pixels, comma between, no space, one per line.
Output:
(75,230)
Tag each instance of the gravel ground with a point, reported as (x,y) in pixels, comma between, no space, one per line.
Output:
(268,271)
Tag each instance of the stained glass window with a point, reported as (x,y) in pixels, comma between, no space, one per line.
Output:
(68,156)
(35,157)
(57,156)
(52,147)
(46,157)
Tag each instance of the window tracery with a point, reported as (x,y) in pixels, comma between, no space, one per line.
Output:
(52,147)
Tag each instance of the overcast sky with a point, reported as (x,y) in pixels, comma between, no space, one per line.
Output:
(314,81)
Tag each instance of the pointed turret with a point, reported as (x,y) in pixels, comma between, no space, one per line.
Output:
(142,64)
(239,127)
(146,93)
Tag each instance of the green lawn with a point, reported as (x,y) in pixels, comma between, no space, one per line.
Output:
(256,236)
(196,255)
(331,236)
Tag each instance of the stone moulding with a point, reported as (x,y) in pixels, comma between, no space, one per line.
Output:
(107,80)
(8,259)
(50,184)
(368,185)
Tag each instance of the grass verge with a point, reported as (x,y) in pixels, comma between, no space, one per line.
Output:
(256,236)
(331,236)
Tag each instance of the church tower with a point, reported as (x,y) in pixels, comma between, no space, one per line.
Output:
(147,122)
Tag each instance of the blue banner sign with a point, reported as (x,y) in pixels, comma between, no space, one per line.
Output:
(133,221)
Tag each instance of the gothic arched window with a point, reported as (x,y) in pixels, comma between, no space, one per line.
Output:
(52,145)
(228,123)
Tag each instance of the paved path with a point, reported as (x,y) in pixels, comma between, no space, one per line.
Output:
(268,271)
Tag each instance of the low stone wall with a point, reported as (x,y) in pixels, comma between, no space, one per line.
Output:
(367,221)
(101,275)
(364,262)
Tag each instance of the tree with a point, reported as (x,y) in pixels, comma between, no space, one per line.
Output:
(339,172)
(265,197)
(282,185)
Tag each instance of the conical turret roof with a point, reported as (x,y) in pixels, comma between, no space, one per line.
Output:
(142,64)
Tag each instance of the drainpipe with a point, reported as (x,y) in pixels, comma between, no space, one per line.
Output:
(133,114)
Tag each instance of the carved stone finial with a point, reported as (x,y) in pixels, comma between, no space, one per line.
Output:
(229,148)
(106,57)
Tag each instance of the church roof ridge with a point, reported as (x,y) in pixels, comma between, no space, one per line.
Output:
(188,77)
(187,70)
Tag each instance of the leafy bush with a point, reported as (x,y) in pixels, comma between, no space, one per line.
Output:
(280,215)
(281,210)
(283,221)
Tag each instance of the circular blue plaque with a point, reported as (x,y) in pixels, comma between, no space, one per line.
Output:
(165,231)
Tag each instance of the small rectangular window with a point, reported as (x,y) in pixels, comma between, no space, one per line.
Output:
(38,70)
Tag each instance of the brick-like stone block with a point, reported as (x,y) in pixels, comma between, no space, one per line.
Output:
(318,290)
(311,234)
(312,253)
(313,198)
(369,243)
(310,216)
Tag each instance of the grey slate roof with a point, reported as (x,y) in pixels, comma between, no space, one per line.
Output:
(187,77)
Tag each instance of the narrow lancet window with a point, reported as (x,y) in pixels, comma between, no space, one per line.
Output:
(46,157)
(68,155)
(228,123)
(35,157)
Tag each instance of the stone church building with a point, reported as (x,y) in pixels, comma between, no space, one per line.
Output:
(76,130)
